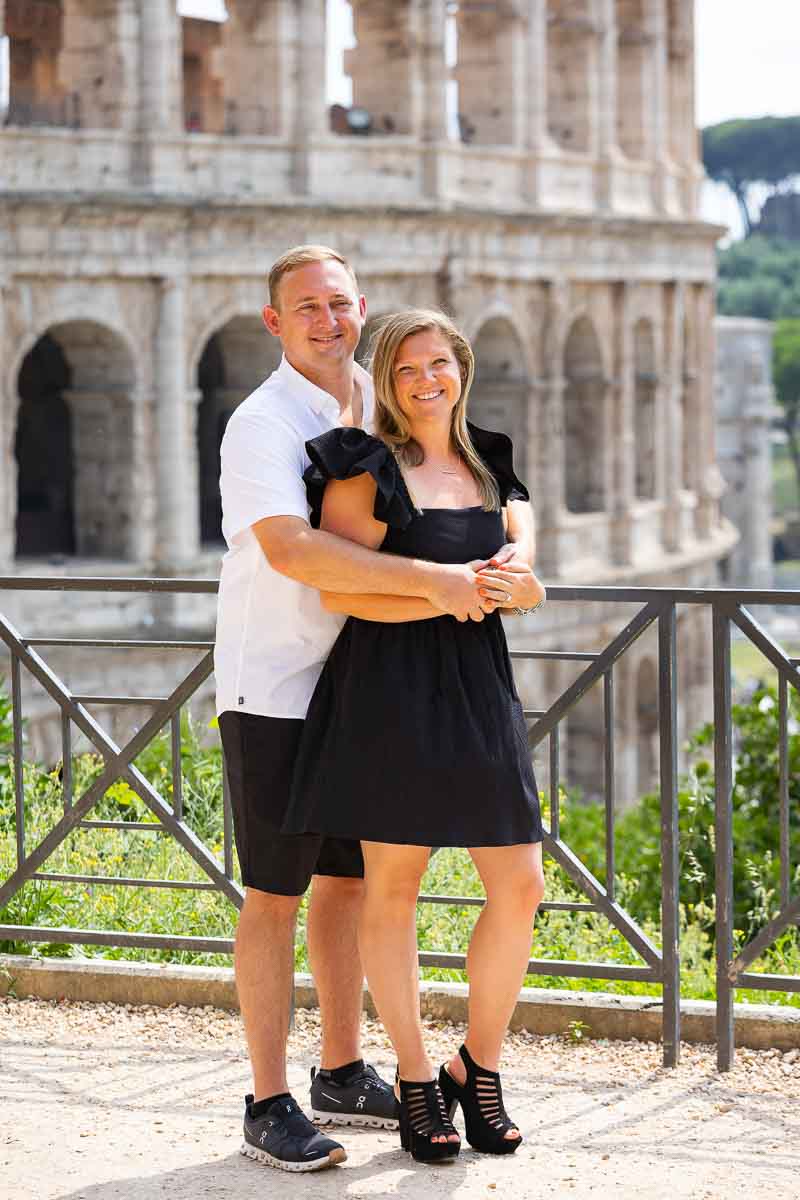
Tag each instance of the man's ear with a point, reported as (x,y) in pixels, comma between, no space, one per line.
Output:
(272,320)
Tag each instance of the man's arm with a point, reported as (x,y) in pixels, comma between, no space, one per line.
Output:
(386,609)
(343,558)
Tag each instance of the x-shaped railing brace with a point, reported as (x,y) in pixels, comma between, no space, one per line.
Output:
(118,765)
(558,849)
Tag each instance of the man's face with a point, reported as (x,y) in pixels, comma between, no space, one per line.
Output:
(318,317)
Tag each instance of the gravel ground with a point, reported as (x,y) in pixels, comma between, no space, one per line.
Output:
(109,1103)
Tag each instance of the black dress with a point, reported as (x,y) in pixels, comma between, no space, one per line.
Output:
(415,734)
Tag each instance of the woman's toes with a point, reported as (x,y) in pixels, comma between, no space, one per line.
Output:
(513,1135)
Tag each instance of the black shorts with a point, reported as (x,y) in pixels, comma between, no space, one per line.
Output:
(260,754)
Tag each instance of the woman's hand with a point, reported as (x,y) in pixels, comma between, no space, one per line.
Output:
(512,585)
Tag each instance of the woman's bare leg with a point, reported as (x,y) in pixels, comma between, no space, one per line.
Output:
(388,940)
(499,949)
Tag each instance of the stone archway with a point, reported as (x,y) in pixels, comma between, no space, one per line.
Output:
(74,444)
(584,397)
(236,359)
(499,397)
(645,416)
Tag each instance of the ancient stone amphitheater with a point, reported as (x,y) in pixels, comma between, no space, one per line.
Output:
(530,165)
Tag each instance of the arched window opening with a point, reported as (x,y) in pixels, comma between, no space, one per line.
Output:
(645,416)
(35,35)
(584,397)
(64,64)
(203,89)
(75,391)
(43,450)
(485,71)
(234,362)
(381,68)
(689,411)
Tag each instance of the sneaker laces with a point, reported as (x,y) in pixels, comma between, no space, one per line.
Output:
(370,1078)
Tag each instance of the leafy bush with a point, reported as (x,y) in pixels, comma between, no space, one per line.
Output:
(559,935)
(755,824)
(760,277)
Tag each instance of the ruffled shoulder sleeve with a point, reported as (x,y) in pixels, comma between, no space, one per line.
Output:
(345,453)
(497,451)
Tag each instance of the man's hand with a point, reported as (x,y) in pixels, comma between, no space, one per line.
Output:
(454,590)
(512,585)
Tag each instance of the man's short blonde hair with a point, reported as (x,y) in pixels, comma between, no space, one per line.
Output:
(302,256)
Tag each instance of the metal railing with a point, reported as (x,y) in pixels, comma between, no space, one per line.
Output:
(656,607)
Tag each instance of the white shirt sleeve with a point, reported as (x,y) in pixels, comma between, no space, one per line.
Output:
(263,460)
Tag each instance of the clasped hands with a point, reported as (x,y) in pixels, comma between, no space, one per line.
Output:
(504,582)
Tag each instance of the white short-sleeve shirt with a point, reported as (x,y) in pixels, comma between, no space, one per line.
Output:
(273,635)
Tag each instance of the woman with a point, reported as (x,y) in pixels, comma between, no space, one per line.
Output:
(415,736)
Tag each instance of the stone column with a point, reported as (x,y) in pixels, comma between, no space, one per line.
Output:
(160,75)
(756,534)
(659,99)
(537,139)
(620,432)
(671,396)
(160,69)
(546,444)
(606,150)
(129,75)
(711,483)
(309,113)
(177,521)
(429,94)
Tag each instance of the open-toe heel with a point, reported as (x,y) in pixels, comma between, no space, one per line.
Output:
(423,1117)
(481,1100)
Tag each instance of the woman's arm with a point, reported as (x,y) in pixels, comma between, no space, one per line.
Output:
(347,511)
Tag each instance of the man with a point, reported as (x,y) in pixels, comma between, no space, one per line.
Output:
(273,637)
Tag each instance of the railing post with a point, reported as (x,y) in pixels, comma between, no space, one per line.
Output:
(723,830)
(668,779)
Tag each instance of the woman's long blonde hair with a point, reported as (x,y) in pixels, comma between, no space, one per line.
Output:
(390,423)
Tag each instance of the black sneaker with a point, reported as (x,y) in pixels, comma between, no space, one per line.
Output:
(363,1099)
(283,1137)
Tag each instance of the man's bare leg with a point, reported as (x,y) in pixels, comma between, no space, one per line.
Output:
(332,935)
(264,965)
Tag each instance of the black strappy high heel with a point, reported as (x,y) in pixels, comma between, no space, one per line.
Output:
(481,1100)
(423,1116)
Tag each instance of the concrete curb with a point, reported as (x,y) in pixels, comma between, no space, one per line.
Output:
(539,1010)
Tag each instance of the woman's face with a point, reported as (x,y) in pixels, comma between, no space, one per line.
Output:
(427,380)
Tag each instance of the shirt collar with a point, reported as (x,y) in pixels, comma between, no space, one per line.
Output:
(320,400)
